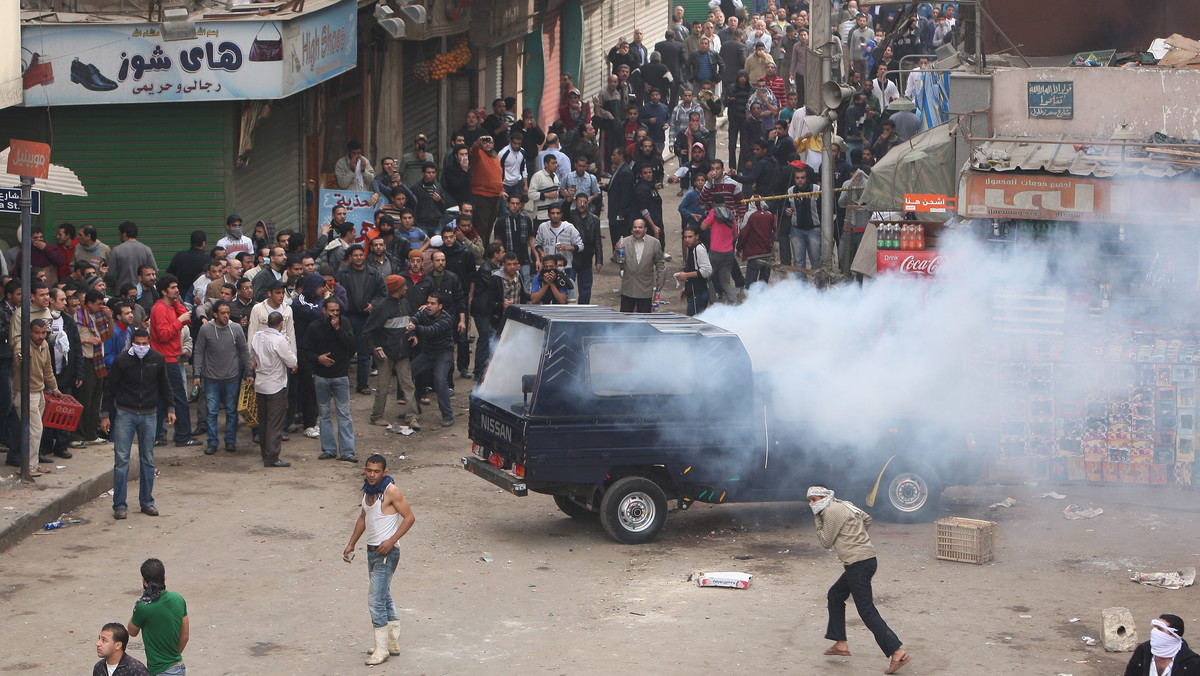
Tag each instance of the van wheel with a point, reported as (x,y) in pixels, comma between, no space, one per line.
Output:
(574,509)
(911,492)
(633,510)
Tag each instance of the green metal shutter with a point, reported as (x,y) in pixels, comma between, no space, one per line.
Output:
(268,187)
(166,167)
(693,10)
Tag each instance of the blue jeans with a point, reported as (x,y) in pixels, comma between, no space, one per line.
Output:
(216,394)
(177,670)
(439,363)
(697,304)
(339,390)
(583,282)
(124,428)
(183,416)
(10,423)
(483,343)
(806,242)
(380,570)
(358,322)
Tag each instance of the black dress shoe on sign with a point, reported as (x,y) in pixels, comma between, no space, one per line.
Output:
(90,78)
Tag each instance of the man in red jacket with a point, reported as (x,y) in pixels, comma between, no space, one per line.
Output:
(757,241)
(168,317)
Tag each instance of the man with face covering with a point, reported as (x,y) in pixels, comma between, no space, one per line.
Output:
(1166,653)
(137,381)
(842,527)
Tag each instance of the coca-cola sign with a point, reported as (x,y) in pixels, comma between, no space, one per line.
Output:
(912,263)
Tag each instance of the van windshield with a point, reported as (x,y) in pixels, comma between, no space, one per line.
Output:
(518,353)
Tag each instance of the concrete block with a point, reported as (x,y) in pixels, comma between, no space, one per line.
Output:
(1119,632)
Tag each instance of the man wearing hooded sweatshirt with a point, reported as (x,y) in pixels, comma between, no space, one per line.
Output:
(387,334)
(221,357)
(327,349)
(842,527)
(364,289)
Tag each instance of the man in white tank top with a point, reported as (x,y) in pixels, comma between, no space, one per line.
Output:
(385,518)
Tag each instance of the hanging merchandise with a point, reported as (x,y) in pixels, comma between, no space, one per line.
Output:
(267,50)
(442,65)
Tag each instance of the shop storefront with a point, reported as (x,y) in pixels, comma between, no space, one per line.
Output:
(1099,381)
(209,145)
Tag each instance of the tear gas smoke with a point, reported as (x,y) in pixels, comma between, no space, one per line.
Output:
(851,362)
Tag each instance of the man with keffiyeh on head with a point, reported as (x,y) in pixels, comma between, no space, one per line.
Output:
(842,527)
(1166,653)
(163,614)
(385,518)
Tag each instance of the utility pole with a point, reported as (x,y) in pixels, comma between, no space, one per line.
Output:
(822,39)
(25,202)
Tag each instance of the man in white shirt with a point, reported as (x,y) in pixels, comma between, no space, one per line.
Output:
(512,163)
(545,189)
(556,236)
(273,355)
(234,242)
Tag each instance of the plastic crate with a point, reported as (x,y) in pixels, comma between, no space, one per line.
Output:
(62,412)
(248,405)
(965,540)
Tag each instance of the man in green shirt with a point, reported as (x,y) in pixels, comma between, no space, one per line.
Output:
(163,614)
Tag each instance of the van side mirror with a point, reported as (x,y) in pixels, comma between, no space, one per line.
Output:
(527,383)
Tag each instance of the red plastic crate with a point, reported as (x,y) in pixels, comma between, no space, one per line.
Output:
(62,412)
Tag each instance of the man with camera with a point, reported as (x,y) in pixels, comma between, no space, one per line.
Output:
(551,285)
(561,239)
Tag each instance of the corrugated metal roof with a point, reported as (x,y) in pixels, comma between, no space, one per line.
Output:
(1079,158)
(62,180)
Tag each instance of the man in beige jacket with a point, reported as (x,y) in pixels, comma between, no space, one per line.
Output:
(41,380)
(842,527)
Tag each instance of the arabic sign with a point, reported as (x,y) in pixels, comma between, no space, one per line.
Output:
(10,201)
(131,63)
(1079,198)
(927,203)
(359,209)
(29,158)
(1052,100)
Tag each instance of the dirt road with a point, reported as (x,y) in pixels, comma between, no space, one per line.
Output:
(490,583)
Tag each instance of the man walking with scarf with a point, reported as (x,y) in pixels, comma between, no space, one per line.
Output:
(842,527)
(163,614)
(385,518)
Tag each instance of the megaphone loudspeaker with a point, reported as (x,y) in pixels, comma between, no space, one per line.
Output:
(833,94)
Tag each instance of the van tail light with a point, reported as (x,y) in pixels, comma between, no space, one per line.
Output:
(477,450)
(519,469)
(496,461)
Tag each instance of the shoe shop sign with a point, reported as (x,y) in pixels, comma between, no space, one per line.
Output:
(82,64)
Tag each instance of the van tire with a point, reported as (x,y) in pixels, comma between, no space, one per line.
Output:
(574,509)
(633,510)
(910,492)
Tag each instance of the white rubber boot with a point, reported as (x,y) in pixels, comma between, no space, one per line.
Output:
(394,638)
(381,647)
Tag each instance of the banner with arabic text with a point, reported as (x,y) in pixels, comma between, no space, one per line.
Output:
(82,64)
(359,209)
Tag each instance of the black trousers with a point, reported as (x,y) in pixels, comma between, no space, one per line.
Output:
(641,305)
(856,582)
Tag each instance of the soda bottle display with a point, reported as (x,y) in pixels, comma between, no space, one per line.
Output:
(920,237)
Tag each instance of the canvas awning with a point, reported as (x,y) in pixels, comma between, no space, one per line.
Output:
(923,164)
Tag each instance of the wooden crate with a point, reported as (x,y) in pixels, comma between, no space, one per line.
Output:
(966,540)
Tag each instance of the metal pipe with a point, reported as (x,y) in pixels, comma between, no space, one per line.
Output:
(26,271)
(1082,142)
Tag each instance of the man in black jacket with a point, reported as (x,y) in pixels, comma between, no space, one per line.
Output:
(387,334)
(432,200)
(514,230)
(137,381)
(508,288)
(454,292)
(672,53)
(1165,652)
(327,349)
(620,196)
(364,288)
(461,262)
(479,303)
(434,330)
(111,649)
(588,225)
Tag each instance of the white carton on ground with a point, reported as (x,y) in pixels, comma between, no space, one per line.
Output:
(731,580)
